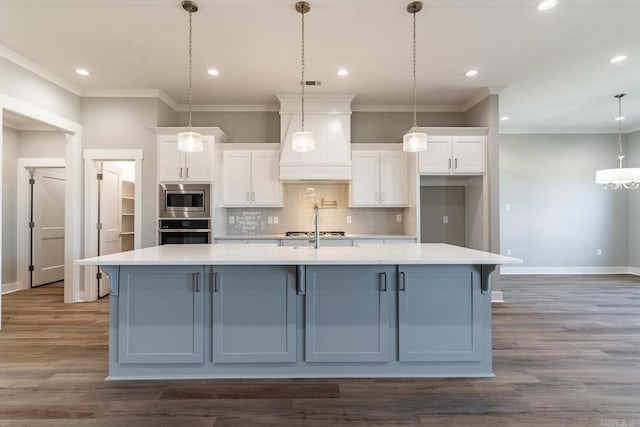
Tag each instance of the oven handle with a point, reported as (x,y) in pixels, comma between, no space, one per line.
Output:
(184,230)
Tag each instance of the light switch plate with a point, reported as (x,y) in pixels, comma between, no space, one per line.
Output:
(269,220)
(231,220)
(275,219)
(399,218)
(348,219)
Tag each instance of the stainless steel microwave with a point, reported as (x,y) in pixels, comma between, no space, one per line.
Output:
(184,201)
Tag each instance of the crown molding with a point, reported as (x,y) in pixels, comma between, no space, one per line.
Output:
(382,108)
(229,108)
(551,131)
(39,70)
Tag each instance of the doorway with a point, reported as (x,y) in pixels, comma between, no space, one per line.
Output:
(442,215)
(46,226)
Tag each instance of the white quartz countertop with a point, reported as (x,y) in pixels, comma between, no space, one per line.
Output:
(285,237)
(260,254)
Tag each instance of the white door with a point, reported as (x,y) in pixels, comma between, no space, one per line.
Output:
(236,184)
(437,159)
(393,178)
(266,189)
(47,244)
(109,216)
(365,181)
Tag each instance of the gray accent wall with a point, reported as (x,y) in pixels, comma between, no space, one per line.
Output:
(24,85)
(558,216)
(384,127)
(633,160)
(123,123)
(242,127)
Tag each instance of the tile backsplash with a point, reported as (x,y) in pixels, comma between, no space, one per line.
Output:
(297,213)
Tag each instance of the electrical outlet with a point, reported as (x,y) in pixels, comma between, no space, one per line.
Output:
(599,252)
(507,208)
(269,220)
(508,252)
(276,219)
(231,220)
(348,219)
(445,219)
(399,218)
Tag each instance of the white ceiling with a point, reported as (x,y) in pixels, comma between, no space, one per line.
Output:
(554,66)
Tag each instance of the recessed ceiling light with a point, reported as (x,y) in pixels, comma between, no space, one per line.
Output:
(213,72)
(343,72)
(547,4)
(471,73)
(619,118)
(618,58)
(504,118)
(83,72)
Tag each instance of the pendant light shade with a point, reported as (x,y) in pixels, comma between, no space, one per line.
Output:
(621,177)
(302,141)
(414,141)
(190,141)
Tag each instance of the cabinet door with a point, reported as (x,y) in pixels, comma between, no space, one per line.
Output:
(469,154)
(439,314)
(236,180)
(347,313)
(254,314)
(199,166)
(437,159)
(266,189)
(365,181)
(393,178)
(160,315)
(171,162)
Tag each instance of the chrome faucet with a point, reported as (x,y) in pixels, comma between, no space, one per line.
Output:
(316,219)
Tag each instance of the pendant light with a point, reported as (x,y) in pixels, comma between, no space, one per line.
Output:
(613,179)
(190,141)
(302,141)
(414,140)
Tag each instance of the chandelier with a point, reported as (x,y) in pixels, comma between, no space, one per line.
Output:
(621,177)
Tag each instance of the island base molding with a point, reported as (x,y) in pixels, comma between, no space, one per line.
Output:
(299,321)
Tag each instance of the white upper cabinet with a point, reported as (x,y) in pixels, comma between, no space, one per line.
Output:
(177,166)
(461,155)
(379,178)
(251,178)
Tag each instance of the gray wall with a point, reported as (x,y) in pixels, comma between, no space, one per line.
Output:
(21,84)
(633,198)
(242,127)
(123,123)
(375,127)
(559,216)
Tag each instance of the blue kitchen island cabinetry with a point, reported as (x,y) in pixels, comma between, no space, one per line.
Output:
(256,311)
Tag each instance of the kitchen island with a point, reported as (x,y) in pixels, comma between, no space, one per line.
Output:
(252,311)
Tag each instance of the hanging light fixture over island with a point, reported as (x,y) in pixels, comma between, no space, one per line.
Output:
(302,141)
(621,177)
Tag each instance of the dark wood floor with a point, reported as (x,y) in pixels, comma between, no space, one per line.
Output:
(566,353)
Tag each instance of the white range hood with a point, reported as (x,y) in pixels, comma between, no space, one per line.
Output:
(329,118)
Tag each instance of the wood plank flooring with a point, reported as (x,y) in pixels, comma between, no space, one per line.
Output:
(566,353)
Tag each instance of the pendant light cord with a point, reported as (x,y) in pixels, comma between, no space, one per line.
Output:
(302,82)
(415,125)
(190,68)
(621,156)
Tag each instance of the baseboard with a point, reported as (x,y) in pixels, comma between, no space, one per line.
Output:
(567,270)
(496,296)
(10,287)
(634,270)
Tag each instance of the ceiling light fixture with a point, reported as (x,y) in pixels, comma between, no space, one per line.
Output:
(413,140)
(213,72)
(547,4)
(83,72)
(343,72)
(618,58)
(613,179)
(471,73)
(302,141)
(190,141)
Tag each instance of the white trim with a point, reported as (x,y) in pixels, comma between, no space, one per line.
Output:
(23,205)
(497,296)
(547,131)
(7,288)
(634,270)
(39,70)
(91,207)
(229,108)
(568,270)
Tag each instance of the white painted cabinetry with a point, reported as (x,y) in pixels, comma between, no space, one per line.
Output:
(462,155)
(175,165)
(251,178)
(379,178)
